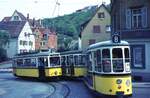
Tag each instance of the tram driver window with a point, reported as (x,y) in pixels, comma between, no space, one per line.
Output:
(106,60)
(54,61)
(117,60)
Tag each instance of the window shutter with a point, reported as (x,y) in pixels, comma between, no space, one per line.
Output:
(144,17)
(128,18)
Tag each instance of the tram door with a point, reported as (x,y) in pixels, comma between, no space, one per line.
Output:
(63,64)
(71,61)
(89,75)
(42,62)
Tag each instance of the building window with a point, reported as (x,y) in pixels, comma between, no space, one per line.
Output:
(30,43)
(44,43)
(92,41)
(108,28)
(24,42)
(96,29)
(41,43)
(138,56)
(101,15)
(45,36)
(16,18)
(136,18)
(21,42)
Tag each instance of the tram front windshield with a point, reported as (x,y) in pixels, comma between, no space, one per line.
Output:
(117,60)
(54,61)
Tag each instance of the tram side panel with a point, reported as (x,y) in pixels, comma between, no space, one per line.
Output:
(25,68)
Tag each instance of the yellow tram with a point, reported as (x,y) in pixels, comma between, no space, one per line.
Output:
(73,63)
(109,71)
(38,65)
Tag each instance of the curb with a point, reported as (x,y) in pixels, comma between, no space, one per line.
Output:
(141,85)
(6,70)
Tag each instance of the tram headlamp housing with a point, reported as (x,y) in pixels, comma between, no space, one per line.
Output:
(128,83)
(118,81)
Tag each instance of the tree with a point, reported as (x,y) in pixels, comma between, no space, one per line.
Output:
(4,40)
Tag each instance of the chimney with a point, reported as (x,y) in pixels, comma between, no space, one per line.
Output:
(33,24)
(28,16)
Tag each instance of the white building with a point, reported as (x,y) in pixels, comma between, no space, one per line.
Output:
(22,38)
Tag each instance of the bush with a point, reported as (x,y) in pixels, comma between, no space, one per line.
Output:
(3,55)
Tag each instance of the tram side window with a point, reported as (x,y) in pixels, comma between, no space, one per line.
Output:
(106,60)
(98,55)
(117,60)
(127,59)
(83,60)
(27,62)
(90,62)
(33,62)
(71,60)
(54,61)
(95,60)
(63,61)
(67,61)
(76,60)
(42,61)
(19,62)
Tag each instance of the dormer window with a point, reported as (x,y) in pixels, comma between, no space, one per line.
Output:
(101,15)
(16,18)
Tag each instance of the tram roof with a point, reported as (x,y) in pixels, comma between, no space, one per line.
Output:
(107,43)
(37,54)
(71,52)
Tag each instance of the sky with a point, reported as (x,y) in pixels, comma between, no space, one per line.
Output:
(40,9)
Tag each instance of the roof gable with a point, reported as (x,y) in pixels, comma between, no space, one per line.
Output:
(17,16)
(13,27)
(84,25)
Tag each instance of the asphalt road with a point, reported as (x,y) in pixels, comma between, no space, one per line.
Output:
(12,87)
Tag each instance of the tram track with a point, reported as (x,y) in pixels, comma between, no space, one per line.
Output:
(67,89)
(63,92)
(51,93)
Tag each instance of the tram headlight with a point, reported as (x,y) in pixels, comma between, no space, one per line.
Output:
(118,81)
(128,83)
